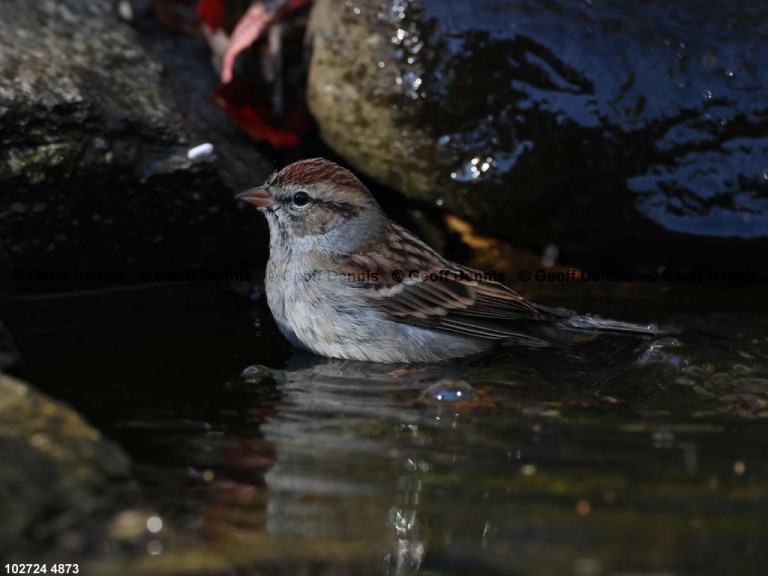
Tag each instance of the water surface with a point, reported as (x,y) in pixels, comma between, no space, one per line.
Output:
(620,455)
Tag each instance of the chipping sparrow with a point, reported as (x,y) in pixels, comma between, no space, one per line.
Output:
(344,281)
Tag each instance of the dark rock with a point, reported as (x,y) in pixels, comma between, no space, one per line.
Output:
(55,469)
(94,171)
(635,129)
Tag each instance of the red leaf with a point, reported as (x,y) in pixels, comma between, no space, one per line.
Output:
(248,104)
(211,13)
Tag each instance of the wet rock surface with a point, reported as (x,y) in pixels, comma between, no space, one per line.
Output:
(636,130)
(55,469)
(94,166)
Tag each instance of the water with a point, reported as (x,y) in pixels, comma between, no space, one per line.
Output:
(619,456)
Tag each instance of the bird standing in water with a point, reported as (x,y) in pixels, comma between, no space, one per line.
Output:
(345,281)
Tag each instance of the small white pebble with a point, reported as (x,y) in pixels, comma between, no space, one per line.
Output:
(200,152)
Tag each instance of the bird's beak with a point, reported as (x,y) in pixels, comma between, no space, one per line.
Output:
(259,197)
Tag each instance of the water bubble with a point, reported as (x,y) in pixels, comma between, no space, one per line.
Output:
(381,64)
(449,391)
(729,73)
(765,174)
(706,94)
(154,524)
(439,202)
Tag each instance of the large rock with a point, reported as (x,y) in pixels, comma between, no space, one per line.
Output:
(55,469)
(637,129)
(94,172)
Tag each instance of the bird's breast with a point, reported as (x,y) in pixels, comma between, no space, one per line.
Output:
(301,301)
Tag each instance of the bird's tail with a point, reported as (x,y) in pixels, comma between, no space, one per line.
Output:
(570,321)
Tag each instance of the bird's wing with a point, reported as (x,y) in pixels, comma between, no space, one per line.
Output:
(414,285)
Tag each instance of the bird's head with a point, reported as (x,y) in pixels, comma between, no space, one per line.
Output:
(317,205)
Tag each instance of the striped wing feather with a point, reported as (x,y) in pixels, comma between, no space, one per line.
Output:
(460,302)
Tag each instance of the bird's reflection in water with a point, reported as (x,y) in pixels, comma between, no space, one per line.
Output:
(350,447)
(375,452)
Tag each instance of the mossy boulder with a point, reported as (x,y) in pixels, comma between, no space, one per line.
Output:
(55,469)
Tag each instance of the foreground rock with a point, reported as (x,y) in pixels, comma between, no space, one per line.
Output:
(94,171)
(54,468)
(634,129)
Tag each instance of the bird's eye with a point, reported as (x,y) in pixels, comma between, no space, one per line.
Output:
(300,198)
